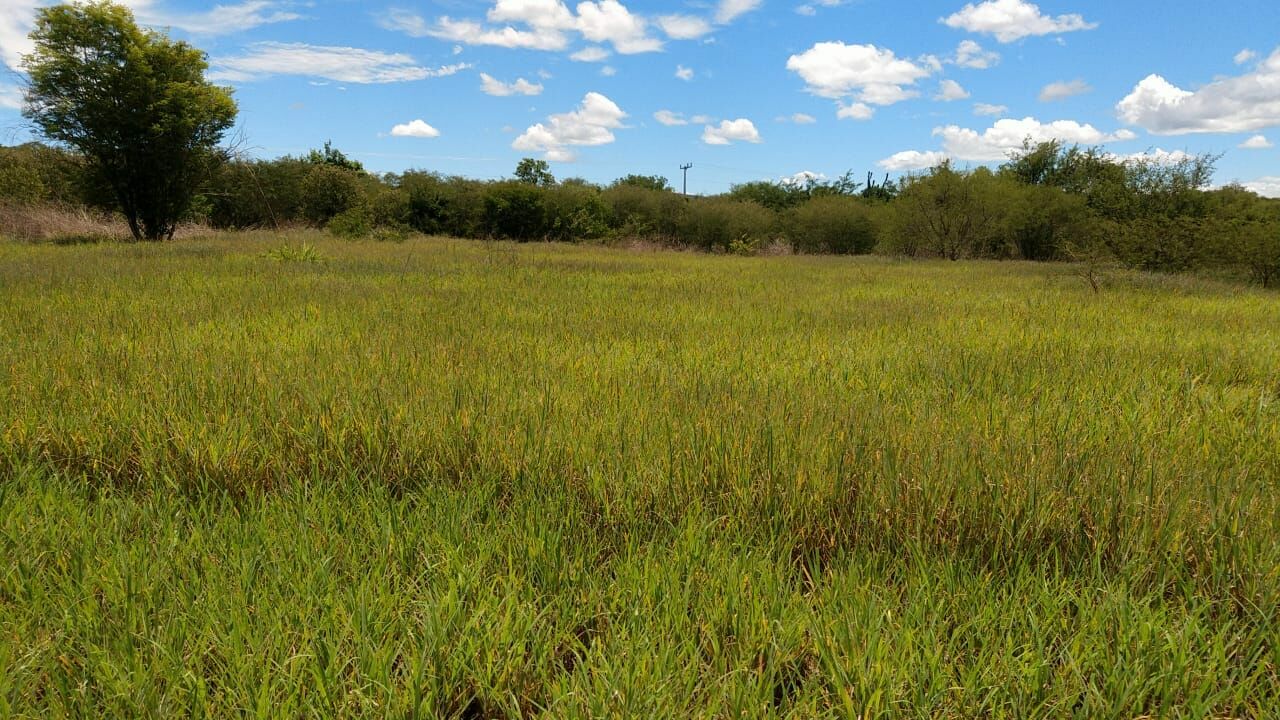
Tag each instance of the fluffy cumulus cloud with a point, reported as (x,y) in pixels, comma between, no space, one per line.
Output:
(970,54)
(1004,136)
(1012,20)
(1062,90)
(730,131)
(996,142)
(866,74)
(912,160)
(536,25)
(950,91)
(341,64)
(592,123)
(1243,103)
(804,178)
(492,86)
(1265,186)
(415,129)
(1257,142)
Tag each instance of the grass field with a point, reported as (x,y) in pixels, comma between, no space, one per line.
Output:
(458,479)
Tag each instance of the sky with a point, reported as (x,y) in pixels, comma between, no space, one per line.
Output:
(743,90)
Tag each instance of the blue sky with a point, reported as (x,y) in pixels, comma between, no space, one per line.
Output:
(742,89)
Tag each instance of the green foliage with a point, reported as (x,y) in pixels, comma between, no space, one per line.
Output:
(258,193)
(951,214)
(515,210)
(648,182)
(575,212)
(771,195)
(333,157)
(644,213)
(534,172)
(723,224)
(352,224)
(133,103)
(328,191)
(835,224)
(301,253)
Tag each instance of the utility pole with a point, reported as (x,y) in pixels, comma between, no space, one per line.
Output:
(685,168)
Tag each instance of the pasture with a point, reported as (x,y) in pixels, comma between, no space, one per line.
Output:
(290,476)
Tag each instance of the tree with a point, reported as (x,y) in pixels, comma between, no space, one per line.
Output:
(134,103)
(535,172)
(650,182)
(333,157)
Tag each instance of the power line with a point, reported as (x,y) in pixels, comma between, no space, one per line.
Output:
(685,169)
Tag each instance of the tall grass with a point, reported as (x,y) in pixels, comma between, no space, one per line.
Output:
(453,479)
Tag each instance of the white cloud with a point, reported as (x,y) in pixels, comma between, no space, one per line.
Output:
(970,54)
(610,21)
(222,19)
(492,86)
(10,97)
(683,27)
(17,18)
(669,118)
(1265,186)
(684,73)
(1257,142)
(1004,136)
(866,73)
(701,119)
(592,123)
(1243,103)
(856,111)
(608,71)
(801,179)
(913,160)
(342,64)
(595,53)
(1062,90)
(802,119)
(1158,156)
(728,131)
(537,25)
(1011,20)
(950,90)
(811,9)
(989,109)
(729,10)
(1245,56)
(415,129)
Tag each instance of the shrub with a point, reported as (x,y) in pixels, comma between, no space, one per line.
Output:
(575,212)
(719,223)
(515,210)
(328,191)
(833,224)
(641,212)
(352,224)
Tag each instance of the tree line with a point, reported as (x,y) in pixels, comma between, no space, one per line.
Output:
(137,130)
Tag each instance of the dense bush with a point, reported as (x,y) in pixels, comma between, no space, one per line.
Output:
(723,224)
(515,210)
(1048,202)
(833,224)
(327,191)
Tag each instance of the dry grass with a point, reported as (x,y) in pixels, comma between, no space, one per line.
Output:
(70,225)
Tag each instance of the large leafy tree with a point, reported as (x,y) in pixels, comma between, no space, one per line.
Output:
(134,103)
